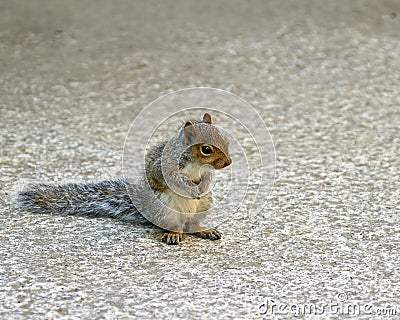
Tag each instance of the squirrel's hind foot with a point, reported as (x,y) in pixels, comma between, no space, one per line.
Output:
(172,237)
(212,234)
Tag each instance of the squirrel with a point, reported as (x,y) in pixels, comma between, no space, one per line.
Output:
(174,194)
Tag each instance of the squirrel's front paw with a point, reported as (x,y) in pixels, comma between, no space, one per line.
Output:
(212,234)
(206,180)
(172,237)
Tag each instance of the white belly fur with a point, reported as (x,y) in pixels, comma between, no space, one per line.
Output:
(182,204)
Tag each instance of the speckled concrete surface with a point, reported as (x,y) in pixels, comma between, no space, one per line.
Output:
(324,75)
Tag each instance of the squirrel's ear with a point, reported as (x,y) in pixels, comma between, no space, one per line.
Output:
(207,118)
(188,132)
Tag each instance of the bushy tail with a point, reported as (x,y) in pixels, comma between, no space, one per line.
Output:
(99,198)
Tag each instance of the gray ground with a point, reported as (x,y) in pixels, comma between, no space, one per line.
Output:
(325,75)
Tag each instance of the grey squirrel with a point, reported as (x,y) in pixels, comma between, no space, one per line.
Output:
(174,194)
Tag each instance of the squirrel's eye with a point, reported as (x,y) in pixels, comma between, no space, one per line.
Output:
(206,150)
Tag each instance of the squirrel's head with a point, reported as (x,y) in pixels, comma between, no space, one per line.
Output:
(206,143)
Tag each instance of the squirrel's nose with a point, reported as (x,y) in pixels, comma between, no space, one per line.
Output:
(227,162)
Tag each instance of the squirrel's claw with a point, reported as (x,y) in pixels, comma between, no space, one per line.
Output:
(212,234)
(172,237)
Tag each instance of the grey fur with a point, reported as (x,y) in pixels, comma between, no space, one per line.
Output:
(108,198)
